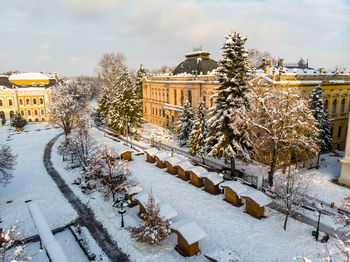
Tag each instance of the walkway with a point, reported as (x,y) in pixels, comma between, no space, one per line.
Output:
(86,216)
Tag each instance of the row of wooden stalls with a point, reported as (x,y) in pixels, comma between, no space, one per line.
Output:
(235,192)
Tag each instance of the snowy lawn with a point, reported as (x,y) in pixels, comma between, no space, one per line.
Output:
(226,226)
(31,181)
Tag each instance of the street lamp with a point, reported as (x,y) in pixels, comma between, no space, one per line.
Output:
(120,204)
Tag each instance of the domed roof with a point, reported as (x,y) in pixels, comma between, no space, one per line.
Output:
(197,62)
(29,79)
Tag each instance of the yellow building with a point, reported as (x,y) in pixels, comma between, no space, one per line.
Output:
(26,93)
(193,80)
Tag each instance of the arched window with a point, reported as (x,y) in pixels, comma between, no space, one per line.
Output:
(12,114)
(22,112)
(190,97)
(175,97)
(334,107)
(182,97)
(29,113)
(41,101)
(10,102)
(326,105)
(27,101)
(42,112)
(339,131)
(21,101)
(342,106)
(34,101)
(1,103)
(35,112)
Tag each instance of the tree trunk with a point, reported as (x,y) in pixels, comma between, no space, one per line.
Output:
(272,168)
(233,167)
(285,222)
(318,158)
(203,159)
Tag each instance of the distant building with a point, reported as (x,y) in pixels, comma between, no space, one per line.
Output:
(194,80)
(26,93)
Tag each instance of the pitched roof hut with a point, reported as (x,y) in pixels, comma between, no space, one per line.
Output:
(150,152)
(130,192)
(223,255)
(171,163)
(142,201)
(211,182)
(160,158)
(196,176)
(183,169)
(255,202)
(233,191)
(188,235)
(124,151)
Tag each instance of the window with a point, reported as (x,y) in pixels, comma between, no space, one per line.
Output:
(172,119)
(175,98)
(22,112)
(342,106)
(334,108)
(1,103)
(332,131)
(163,112)
(29,113)
(27,101)
(182,97)
(12,114)
(167,96)
(204,101)
(41,101)
(326,105)
(10,102)
(42,112)
(339,131)
(152,110)
(35,112)
(156,111)
(34,101)
(211,102)
(145,110)
(21,101)
(190,97)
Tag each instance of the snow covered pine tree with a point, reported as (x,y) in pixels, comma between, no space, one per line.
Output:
(141,73)
(323,124)
(226,139)
(198,135)
(185,123)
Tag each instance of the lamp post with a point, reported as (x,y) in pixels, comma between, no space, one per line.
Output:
(120,204)
(318,225)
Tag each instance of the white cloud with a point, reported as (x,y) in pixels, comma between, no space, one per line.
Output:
(75,59)
(44,46)
(43,58)
(3,55)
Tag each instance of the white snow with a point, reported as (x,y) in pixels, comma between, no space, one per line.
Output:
(185,165)
(224,255)
(199,171)
(133,190)
(143,199)
(190,231)
(236,186)
(29,76)
(151,151)
(214,177)
(167,211)
(162,155)
(259,197)
(175,160)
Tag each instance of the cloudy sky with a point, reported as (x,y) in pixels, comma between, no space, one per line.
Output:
(69,36)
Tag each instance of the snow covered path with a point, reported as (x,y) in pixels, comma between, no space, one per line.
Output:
(31,182)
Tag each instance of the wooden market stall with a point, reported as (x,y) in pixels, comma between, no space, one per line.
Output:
(233,191)
(196,176)
(142,200)
(188,235)
(124,151)
(211,182)
(183,169)
(160,157)
(130,192)
(255,202)
(171,163)
(150,152)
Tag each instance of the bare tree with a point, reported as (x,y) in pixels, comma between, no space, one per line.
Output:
(256,57)
(7,163)
(290,189)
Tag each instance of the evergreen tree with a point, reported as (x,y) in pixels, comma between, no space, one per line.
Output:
(18,121)
(323,124)
(199,132)
(226,138)
(141,72)
(185,123)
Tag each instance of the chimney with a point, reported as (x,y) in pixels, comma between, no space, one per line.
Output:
(266,69)
(167,70)
(270,62)
(280,62)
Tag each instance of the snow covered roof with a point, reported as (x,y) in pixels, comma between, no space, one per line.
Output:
(29,76)
(214,177)
(143,198)
(167,211)
(151,151)
(199,171)
(185,165)
(259,197)
(175,160)
(162,155)
(224,255)
(133,190)
(121,149)
(190,231)
(235,186)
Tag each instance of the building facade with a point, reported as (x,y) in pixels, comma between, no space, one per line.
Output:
(27,94)
(194,80)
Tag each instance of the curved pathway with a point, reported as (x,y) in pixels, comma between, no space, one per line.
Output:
(86,215)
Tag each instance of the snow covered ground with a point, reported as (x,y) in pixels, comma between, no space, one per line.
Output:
(226,226)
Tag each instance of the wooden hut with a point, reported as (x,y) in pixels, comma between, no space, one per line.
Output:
(130,192)
(233,191)
(255,202)
(160,157)
(223,255)
(183,169)
(150,154)
(142,201)
(124,151)
(171,164)
(188,234)
(211,182)
(196,176)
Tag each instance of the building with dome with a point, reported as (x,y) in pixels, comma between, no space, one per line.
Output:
(194,80)
(26,93)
